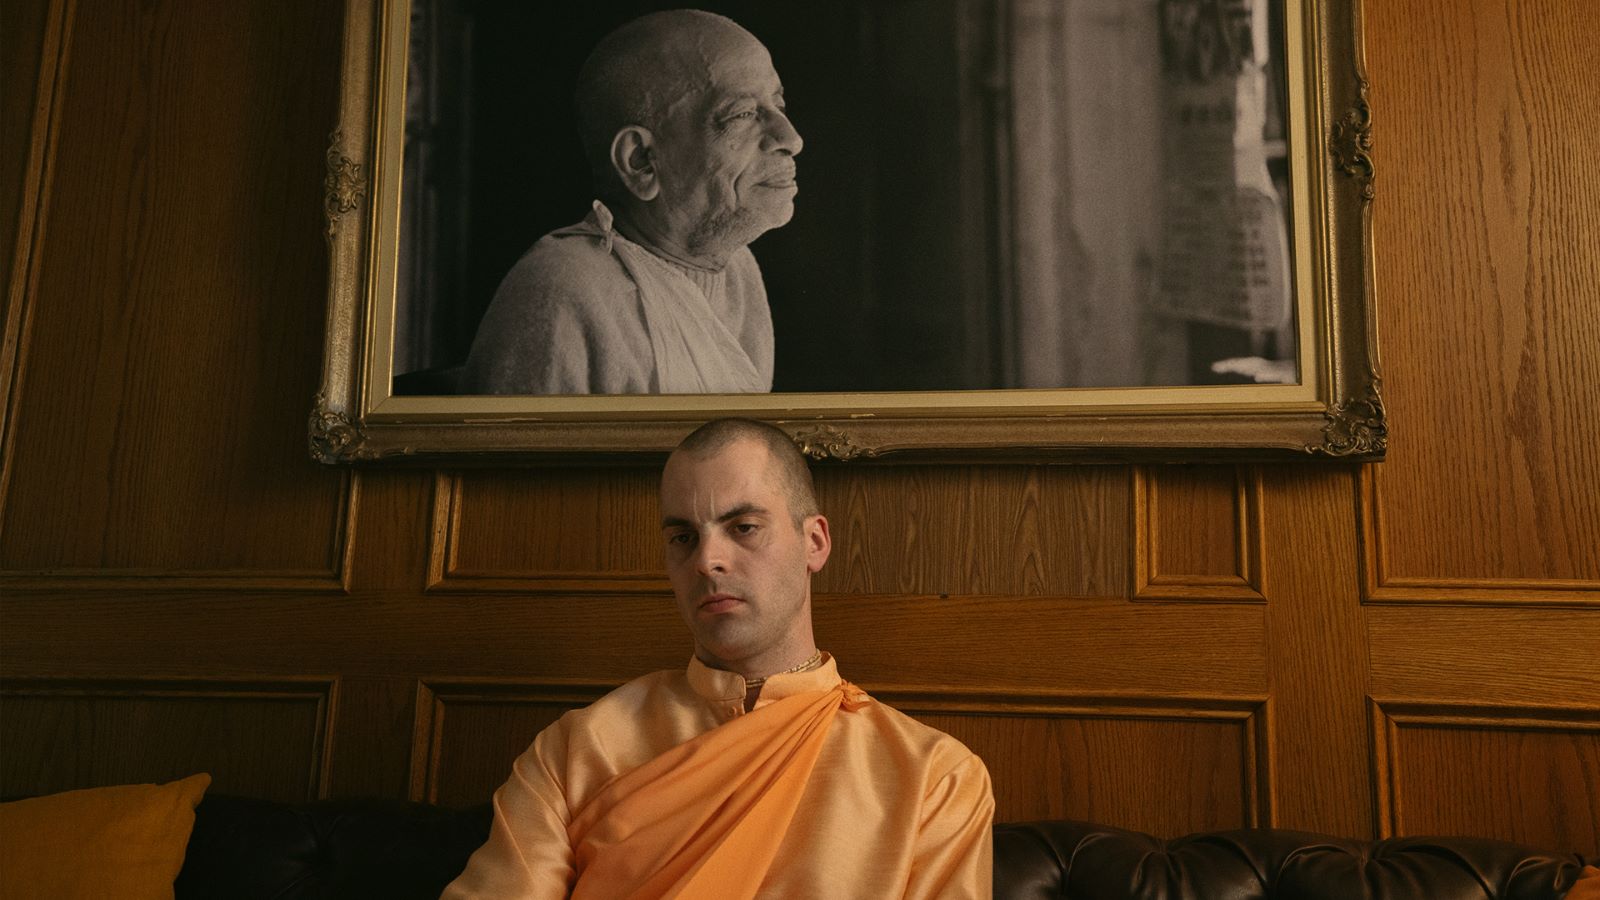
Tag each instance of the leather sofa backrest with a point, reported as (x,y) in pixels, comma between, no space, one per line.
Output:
(248,849)
(1056,859)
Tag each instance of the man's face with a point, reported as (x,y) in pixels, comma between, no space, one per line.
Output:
(725,150)
(740,567)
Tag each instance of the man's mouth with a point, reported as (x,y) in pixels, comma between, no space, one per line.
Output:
(780,180)
(718,603)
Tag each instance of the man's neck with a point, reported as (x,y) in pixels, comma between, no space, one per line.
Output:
(642,230)
(759,669)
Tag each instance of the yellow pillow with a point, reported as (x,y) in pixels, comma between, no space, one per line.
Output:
(1587,886)
(102,843)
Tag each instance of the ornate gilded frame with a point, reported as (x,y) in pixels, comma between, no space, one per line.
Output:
(1337,414)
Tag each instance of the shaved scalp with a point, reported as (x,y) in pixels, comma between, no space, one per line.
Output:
(785,460)
(635,73)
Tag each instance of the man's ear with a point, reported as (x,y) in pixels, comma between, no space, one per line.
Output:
(633,159)
(818,543)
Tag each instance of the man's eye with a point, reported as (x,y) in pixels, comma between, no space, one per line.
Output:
(678,538)
(746,528)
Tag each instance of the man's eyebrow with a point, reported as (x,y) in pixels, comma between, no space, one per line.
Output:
(743,509)
(756,96)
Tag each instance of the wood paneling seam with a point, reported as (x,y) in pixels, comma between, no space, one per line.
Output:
(32,218)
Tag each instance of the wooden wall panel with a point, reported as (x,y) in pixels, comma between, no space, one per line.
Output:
(371,737)
(1099,759)
(1158,767)
(1317,659)
(1502,656)
(895,530)
(257,739)
(23,47)
(1517,774)
(548,530)
(160,517)
(22,40)
(33,55)
(976,530)
(1027,644)
(468,733)
(1487,220)
(159,431)
(1197,533)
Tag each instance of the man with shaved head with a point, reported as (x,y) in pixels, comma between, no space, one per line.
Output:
(756,771)
(692,156)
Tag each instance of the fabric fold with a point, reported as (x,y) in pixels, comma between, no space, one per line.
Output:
(695,351)
(700,819)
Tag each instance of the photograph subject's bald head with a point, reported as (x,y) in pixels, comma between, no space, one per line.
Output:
(637,71)
(683,122)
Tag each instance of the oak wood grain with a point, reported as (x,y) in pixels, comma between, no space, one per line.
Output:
(1489,270)
(1540,657)
(988,643)
(1317,658)
(952,530)
(159,428)
(254,738)
(1129,773)
(22,37)
(513,530)
(467,734)
(160,492)
(1194,508)
(371,735)
(1197,533)
(1531,782)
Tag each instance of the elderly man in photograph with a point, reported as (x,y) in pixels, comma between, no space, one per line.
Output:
(682,119)
(756,771)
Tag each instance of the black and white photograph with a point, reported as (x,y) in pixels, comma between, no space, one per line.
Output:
(628,198)
(1087,229)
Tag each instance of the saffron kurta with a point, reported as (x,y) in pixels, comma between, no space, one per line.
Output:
(892,808)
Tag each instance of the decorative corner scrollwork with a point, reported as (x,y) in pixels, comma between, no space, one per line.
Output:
(332,437)
(1352,142)
(827,442)
(346,184)
(1356,427)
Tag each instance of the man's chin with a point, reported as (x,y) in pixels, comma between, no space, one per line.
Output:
(742,227)
(724,638)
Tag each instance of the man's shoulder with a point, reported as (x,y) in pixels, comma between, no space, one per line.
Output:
(899,733)
(628,702)
(568,264)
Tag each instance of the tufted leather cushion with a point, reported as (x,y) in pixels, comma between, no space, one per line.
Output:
(248,849)
(1064,859)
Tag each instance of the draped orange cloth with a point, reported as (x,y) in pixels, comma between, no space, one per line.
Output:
(699,820)
(669,786)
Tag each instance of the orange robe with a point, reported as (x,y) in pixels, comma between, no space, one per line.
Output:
(818,792)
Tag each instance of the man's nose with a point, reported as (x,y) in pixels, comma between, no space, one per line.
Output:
(781,134)
(710,556)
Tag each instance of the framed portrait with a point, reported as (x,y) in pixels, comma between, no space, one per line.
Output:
(1059,230)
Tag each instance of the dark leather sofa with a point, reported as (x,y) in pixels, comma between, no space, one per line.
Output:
(244,849)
